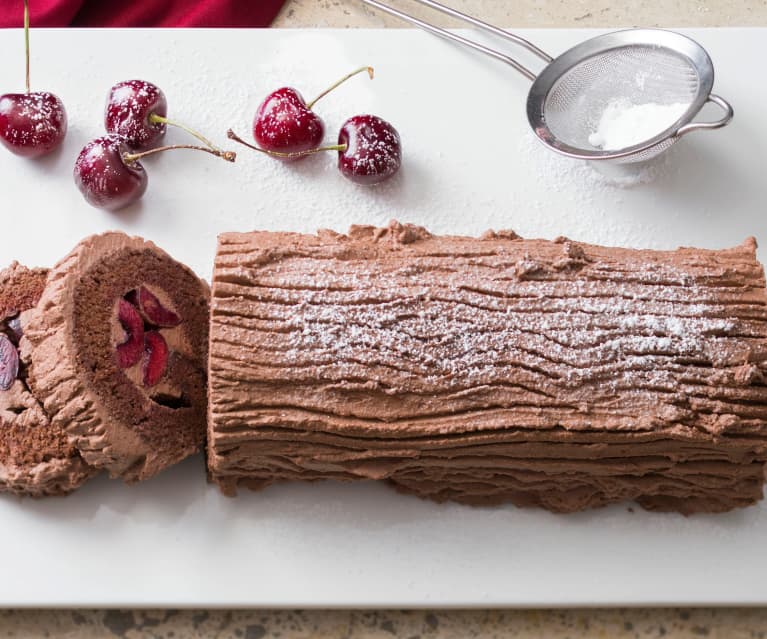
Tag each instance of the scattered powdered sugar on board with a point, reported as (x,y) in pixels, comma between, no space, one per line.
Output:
(624,124)
(588,177)
(588,203)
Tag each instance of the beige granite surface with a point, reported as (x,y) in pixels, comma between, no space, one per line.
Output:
(536,13)
(299,624)
(724,623)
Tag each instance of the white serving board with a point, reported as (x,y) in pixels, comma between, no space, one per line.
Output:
(470,164)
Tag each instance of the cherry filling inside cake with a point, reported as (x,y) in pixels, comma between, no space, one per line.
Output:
(146,335)
(36,457)
(131,326)
(136,340)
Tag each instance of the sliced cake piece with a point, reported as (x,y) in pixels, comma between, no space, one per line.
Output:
(36,458)
(118,347)
(484,370)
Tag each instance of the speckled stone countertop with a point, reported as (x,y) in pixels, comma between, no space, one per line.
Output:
(298,624)
(720,623)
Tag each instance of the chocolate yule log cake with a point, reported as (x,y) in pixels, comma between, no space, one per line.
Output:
(117,354)
(542,373)
(35,456)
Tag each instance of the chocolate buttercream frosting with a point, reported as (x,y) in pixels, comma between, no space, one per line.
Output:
(486,370)
(36,458)
(117,354)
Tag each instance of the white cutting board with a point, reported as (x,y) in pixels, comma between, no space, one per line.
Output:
(470,163)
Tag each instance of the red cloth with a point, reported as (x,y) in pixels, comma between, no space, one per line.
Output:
(141,13)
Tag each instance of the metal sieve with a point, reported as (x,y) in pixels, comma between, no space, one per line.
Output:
(569,96)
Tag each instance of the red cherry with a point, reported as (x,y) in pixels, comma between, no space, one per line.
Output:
(13,328)
(129,352)
(152,310)
(103,176)
(32,124)
(155,358)
(285,124)
(129,110)
(9,363)
(371,151)
(110,177)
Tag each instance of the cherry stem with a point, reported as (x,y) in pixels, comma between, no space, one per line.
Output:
(229,156)
(159,119)
(26,37)
(340,82)
(278,154)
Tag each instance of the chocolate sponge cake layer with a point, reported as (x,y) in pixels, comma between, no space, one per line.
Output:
(36,459)
(118,354)
(548,373)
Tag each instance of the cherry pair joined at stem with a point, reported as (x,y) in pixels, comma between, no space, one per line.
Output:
(286,128)
(369,149)
(286,125)
(107,171)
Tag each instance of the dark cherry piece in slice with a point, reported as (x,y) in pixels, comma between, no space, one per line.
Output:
(9,363)
(14,330)
(371,149)
(155,359)
(129,352)
(153,310)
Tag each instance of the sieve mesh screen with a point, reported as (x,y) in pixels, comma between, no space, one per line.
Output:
(639,73)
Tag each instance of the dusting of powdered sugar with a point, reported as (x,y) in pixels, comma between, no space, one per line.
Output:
(624,124)
(590,178)
(444,334)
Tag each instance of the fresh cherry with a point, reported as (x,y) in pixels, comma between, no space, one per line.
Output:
(369,151)
(286,125)
(32,123)
(110,177)
(105,178)
(137,110)
(129,110)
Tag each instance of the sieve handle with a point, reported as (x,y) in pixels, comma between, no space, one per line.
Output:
(716,124)
(444,33)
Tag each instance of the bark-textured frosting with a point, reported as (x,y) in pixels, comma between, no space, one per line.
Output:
(115,421)
(35,457)
(548,373)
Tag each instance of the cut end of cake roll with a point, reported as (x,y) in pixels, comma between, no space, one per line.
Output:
(487,370)
(117,353)
(36,458)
